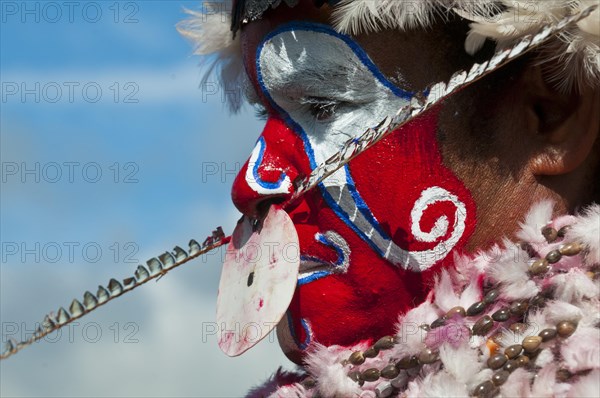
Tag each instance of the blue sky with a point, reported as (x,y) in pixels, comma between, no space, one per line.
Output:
(150,195)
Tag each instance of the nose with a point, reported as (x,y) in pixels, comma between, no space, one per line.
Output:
(277,160)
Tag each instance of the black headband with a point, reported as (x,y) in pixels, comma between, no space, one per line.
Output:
(250,10)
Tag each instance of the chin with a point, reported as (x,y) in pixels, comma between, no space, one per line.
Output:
(346,292)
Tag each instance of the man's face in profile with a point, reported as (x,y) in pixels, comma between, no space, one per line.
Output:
(373,234)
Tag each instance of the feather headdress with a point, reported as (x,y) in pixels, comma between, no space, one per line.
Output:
(575,53)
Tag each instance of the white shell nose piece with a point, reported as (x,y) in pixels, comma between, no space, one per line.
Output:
(258,280)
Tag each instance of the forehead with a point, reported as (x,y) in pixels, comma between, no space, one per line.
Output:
(253,33)
(412,59)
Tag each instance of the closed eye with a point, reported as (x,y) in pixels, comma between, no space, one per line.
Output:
(321,109)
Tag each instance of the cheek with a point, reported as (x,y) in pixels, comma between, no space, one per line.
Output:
(392,179)
(420,204)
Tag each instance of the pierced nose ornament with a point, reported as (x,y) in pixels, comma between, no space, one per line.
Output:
(258,280)
(261,277)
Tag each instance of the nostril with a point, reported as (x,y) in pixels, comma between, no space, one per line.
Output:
(262,207)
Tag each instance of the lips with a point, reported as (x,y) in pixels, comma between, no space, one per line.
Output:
(313,267)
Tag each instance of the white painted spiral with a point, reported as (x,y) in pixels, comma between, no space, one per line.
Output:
(429,197)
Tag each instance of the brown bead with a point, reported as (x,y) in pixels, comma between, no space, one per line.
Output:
(357,358)
(407,362)
(483,326)
(563,231)
(354,375)
(591,275)
(384,343)
(496,361)
(511,365)
(566,328)
(531,343)
(484,390)
(513,351)
(372,374)
(571,249)
(500,377)
(458,310)
(476,309)
(519,307)
(547,334)
(522,360)
(438,322)
(554,256)
(501,315)
(539,267)
(427,356)
(390,372)
(425,327)
(563,375)
(518,327)
(550,234)
(527,248)
(538,301)
(491,296)
(309,383)
(370,352)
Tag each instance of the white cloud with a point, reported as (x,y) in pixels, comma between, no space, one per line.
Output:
(173,83)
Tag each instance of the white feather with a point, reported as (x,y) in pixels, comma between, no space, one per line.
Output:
(324,364)
(445,297)
(558,311)
(211,36)
(462,362)
(587,231)
(510,270)
(543,384)
(537,319)
(537,218)
(586,386)
(544,358)
(408,333)
(436,385)
(517,384)
(574,286)
(358,16)
(591,312)
(581,351)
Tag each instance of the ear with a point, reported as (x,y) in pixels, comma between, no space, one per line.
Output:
(565,125)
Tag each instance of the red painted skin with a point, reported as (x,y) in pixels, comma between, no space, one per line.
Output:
(364,303)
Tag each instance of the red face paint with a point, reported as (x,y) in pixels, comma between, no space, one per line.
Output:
(373,236)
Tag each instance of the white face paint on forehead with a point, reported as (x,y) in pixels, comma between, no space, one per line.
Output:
(328,90)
